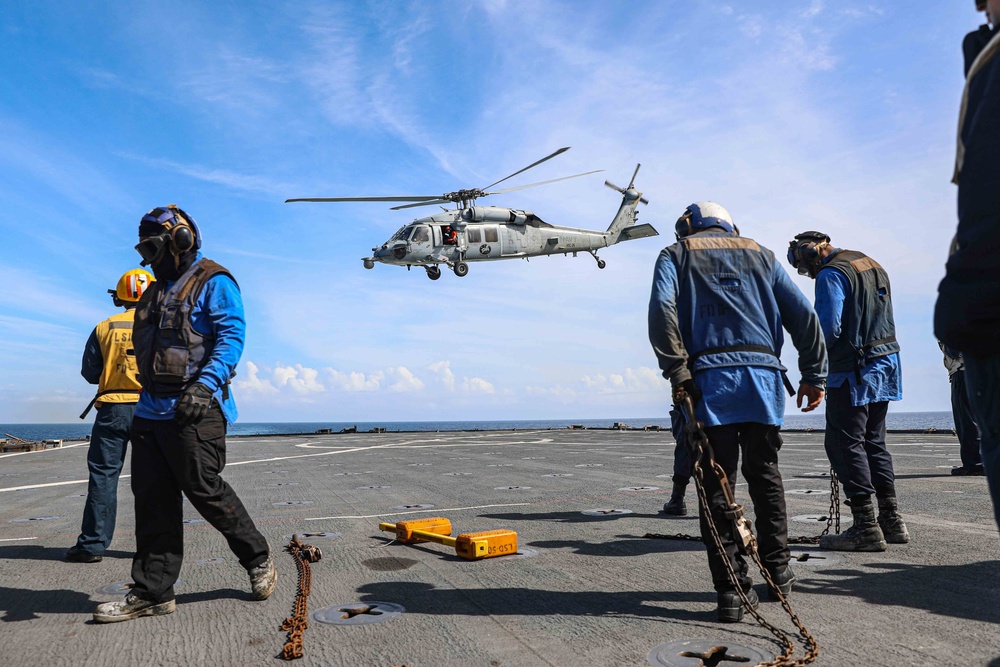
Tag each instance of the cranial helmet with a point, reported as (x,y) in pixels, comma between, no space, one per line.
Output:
(131,285)
(164,229)
(703,215)
(805,252)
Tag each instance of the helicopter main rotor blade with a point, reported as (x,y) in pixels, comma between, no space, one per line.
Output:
(335,199)
(635,173)
(534,164)
(614,187)
(531,185)
(421,203)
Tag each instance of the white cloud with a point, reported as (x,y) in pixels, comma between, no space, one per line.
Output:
(406,381)
(354,381)
(477,386)
(299,378)
(443,371)
(251,382)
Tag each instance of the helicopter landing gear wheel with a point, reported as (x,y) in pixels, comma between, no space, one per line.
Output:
(461,269)
(601,263)
(433,272)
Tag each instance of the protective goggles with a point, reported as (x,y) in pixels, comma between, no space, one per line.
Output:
(152,248)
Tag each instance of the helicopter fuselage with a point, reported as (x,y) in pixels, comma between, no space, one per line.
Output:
(482,233)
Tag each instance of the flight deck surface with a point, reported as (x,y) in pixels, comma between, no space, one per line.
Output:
(587,588)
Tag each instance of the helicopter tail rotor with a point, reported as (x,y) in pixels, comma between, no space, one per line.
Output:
(631,185)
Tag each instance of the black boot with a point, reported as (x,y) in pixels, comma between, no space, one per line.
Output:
(890,522)
(730,606)
(863,535)
(783,578)
(676,506)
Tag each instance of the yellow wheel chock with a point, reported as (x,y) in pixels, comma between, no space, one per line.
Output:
(470,546)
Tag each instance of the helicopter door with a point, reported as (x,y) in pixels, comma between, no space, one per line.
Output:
(421,236)
(484,242)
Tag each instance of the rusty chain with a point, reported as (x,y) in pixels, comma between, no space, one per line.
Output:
(297,623)
(701,447)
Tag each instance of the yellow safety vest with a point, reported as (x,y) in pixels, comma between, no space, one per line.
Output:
(114,335)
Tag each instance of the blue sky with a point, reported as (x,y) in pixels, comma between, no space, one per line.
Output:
(838,116)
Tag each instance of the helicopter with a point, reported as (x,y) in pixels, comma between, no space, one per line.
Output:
(471,233)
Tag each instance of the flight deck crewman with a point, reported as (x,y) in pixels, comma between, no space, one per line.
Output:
(718,305)
(109,362)
(188,336)
(854,304)
(967,313)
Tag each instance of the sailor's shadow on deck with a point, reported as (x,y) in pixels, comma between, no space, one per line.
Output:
(627,545)
(424,598)
(37,552)
(961,591)
(23,604)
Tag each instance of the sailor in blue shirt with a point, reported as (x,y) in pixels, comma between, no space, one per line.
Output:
(717,309)
(188,336)
(854,304)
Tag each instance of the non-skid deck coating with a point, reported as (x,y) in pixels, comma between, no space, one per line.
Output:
(594,592)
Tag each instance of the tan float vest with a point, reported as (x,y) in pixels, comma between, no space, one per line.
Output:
(114,335)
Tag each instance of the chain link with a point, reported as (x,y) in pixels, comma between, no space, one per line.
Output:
(297,623)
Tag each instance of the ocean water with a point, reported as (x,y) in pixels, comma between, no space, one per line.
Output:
(895,421)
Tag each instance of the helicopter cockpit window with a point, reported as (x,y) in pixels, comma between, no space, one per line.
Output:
(421,234)
(474,236)
(400,234)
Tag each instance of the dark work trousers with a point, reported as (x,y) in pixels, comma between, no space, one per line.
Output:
(105,458)
(166,461)
(965,425)
(855,444)
(982,382)
(682,454)
(759,444)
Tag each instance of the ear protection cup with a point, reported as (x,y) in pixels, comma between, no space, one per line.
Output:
(805,248)
(181,238)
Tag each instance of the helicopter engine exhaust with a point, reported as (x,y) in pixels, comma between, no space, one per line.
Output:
(494,214)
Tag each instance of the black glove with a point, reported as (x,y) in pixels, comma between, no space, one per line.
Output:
(689,387)
(193,404)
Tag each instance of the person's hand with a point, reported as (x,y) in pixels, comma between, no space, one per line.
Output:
(813,396)
(192,405)
(690,388)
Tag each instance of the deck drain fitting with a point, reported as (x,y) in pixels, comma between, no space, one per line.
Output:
(210,561)
(558,474)
(456,474)
(589,465)
(188,522)
(275,472)
(314,536)
(359,613)
(286,503)
(606,512)
(814,558)
(499,465)
(805,492)
(810,518)
(416,506)
(34,518)
(532,458)
(77,495)
(511,488)
(639,488)
(705,653)
(814,474)
(284,484)
(383,486)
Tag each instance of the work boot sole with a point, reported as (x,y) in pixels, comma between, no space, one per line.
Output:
(832,545)
(674,510)
(161,609)
(901,538)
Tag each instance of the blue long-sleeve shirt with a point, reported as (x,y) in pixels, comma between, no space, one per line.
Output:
(217,311)
(882,379)
(736,393)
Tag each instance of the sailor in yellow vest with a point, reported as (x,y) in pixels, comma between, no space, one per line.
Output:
(109,362)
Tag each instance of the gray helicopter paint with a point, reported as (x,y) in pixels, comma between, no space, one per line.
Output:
(488,233)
